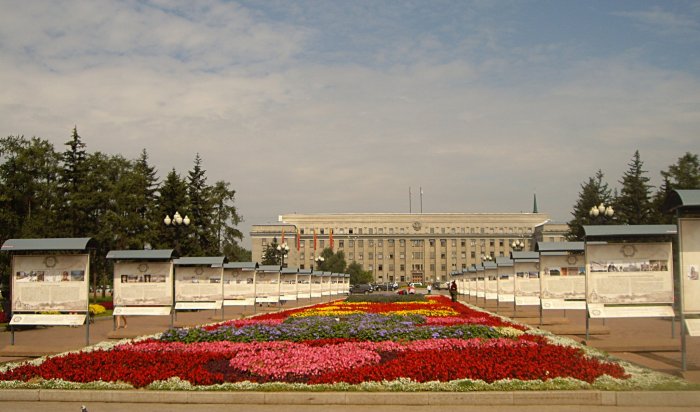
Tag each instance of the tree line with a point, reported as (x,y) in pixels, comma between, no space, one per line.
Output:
(120,203)
(636,203)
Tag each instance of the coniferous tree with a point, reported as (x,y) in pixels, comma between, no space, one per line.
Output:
(633,206)
(225,219)
(685,174)
(658,217)
(593,193)
(202,210)
(73,176)
(270,255)
(172,197)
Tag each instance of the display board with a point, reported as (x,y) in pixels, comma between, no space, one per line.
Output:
(239,287)
(304,286)
(563,281)
(526,283)
(506,284)
(267,287)
(491,284)
(143,283)
(472,284)
(629,273)
(198,284)
(288,287)
(480,284)
(50,282)
(689,235)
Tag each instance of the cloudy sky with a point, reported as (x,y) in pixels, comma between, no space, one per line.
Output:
(341,106)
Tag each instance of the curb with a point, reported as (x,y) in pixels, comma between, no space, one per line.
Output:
(544,398)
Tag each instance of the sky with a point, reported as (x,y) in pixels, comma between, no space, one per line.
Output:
(342,106)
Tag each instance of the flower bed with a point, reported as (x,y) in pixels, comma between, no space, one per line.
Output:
(339,343)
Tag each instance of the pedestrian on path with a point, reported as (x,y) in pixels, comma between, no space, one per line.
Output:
(453,291)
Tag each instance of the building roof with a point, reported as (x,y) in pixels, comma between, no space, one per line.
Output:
(290,271)
(269,268)
(524,256)
(66,243)
(503,261)
(141,254)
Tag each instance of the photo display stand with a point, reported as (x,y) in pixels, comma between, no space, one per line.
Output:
(239,283)
(506,282)
(562,276)
(304,284)
(316,281)
(629,271)
(49,282)
(289,282)
(526,266)
(199,283)
(686,206)
(471,281)
(143,283)
(490,281)
(267,284)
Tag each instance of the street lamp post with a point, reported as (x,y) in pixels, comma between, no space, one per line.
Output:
(319,261)
(283,250)
(176,222)
(600,213)
(517,245)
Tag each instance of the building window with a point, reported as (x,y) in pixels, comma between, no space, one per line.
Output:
(500,242)
(360,243)
(443,242)
(472,242)
(431,242)
(443,256)
(391,256)
(417,255)
(350,231)
(380,243)
(443,267)
(341,244)
(379,267)
(380,256)
(473,255)
(454,242)
(370,255)
(464,243)
(432,267)
(359,256)
(371,243)
(491,242)
(351,256)
(351,243)
(402,242)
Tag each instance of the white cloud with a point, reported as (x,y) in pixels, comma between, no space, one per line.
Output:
(296,131)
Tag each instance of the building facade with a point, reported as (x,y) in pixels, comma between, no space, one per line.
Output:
(400,247)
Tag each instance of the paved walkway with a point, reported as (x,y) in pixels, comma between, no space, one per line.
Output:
(648,342)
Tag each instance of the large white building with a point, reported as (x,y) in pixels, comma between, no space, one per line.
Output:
(403,246)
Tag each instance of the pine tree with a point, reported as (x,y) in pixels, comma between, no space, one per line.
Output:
(225,219)
(593,193)
(633,206)
(72,180)
(202,210)
(172,197)
(685,174)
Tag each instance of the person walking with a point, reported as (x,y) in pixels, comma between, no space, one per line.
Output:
(453,291)
(430,288)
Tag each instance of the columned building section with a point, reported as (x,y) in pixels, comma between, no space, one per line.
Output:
(401,247)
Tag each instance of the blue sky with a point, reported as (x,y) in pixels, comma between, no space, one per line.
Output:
(341,106)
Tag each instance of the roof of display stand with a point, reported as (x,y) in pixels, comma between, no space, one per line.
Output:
(489,265)
(304,271)
(626,231)
(559,247)
(504,261)
(682,200)
(201,261)
(241,265)
(63,243)
(290,271)
(142,254)
(269,268)
(524,255)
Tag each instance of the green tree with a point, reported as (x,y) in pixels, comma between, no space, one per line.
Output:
(593,192)
(685,174)
(658,216)
(271,256)
(225,218)
(202,213)
(357,275)
(172,197)
(333,261)
(73,176)
(633,206)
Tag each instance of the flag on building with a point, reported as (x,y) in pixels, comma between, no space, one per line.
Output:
(282,241)
(314,239)
(298,240)
(330,238)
